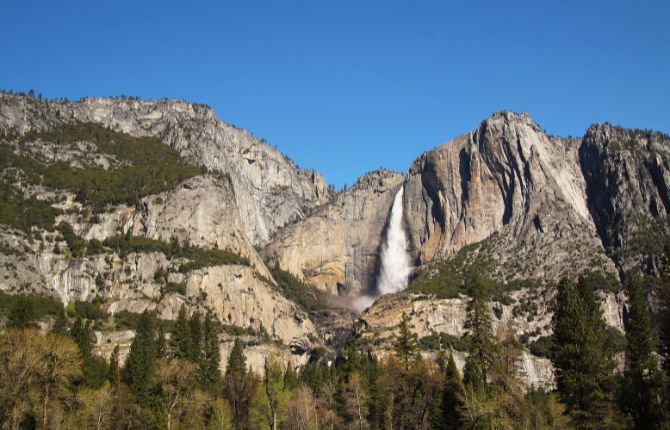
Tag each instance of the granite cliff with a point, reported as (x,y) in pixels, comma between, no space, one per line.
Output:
(270,190)
(507,200)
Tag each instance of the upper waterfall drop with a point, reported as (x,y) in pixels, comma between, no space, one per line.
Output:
(395,266)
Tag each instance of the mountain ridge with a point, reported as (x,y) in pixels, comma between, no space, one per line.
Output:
(506,200)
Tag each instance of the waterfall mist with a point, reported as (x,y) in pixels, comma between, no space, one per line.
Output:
(395,268)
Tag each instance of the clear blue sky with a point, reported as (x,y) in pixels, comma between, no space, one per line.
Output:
(348,86)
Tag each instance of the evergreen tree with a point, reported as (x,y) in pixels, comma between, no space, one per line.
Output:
(209,366)
(451,402)
(372,374)
(406,344)
(195,332)
(473,376)
(161,347)
(354,359)
(141,360)
(291,380)
(583,359)
(663,294)
(239,387)
(113,371)
(60,323)
(181,336)
(94,368)
(237,363)
(479,322)
(22,313)
(82,334)
(642,381)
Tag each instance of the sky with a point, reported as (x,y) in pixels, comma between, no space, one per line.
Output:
(345,87)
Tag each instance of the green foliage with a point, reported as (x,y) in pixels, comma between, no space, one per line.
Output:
(141,360)
(172,288)
(583,357)
(75,244)
(82,335)
(237,362)
(406,346)
(301,293)
(210,359)
(88,310)
(448,416)
(41,306)
(113,370)
(195,338)
(146,166)
(473,374)
(642,381)
(597,281)
(542,347)
(479,321)
(199,257)
(445,280)
(23,213)
(95,371)
(181,336)
(21,313)
(436,341)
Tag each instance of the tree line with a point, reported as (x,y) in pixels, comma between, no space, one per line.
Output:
(172,379)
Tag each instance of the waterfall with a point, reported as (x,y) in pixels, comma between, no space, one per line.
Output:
(395,267)
(394,262)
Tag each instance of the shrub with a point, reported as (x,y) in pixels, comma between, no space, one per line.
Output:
(301,293)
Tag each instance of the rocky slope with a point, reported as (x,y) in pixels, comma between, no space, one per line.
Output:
(542,206)
(270,190)
(627,176)
(337,247)
(526,312)
(185,245)
(509,179)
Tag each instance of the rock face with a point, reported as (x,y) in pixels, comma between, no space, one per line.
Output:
(336,248)
(239,298)
(628,183)
(508,178)
(270,190)
(201,211)
(527,314)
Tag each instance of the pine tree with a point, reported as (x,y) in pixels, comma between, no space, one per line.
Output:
(583,359)
(479,322)
(113,371)
(354,360)
(237,363)
(210,362)
(195,332)
(239,387)
(663,294)
(643,381)
(22,313)
(161,346)
(181,336)
(291,380)
(141,361)
(473,376)
(451,402)
(81,333)
(60,323)
(406,344)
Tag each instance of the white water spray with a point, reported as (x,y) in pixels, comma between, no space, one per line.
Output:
(395,266)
